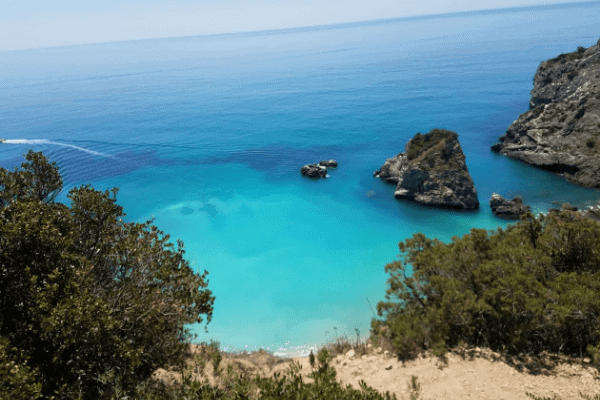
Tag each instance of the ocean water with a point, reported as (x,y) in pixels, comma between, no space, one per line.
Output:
(207,135)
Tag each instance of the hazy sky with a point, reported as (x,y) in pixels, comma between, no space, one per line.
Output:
(44,23)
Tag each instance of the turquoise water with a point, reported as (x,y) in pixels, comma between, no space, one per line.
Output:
(207,135)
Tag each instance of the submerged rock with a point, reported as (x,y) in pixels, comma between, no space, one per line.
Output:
(561,131)
(511,209)
(314,171)
(432,171)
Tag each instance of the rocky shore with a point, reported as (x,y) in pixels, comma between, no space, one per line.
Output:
(432,171)
(561,131)
(509,209)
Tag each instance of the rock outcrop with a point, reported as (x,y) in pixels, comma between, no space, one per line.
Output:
(561,131)
(510,209)
(592,212)
(318,170)
(432,171)
(314,171)
(328,164)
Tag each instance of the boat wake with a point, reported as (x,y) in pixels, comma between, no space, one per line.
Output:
(45,141)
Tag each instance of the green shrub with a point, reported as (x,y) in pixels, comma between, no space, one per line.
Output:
(414,388)
(526,289)
(590,143)
(17,380)
(90,303)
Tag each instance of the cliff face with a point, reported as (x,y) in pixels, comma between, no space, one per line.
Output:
(432,171)
(561,131)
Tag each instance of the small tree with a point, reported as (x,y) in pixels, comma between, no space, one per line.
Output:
(529,288)
(83,294)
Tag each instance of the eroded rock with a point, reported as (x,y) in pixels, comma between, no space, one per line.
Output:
(318,170)
(314,171)
(432,171)
(592,212)
(328,164)
(561,131)
(510,209)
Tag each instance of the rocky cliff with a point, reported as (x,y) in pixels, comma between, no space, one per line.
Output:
(432,171)
(561,131)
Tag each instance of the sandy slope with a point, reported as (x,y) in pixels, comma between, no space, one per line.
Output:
(477,377)
(476,374)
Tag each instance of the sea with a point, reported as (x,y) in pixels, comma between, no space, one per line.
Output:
(206,135)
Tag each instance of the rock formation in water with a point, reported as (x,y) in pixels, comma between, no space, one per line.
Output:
(328,163)
(561,131)
(318,170)
(510,209)
(592,212)
(314,171)
(432,171)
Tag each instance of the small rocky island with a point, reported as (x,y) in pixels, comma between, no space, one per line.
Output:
(561,130)
(318,170)
(432,171)
(510,209)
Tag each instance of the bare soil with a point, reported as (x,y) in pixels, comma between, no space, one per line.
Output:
(465,374)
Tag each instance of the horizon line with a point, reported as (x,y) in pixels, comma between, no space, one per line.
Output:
(327,26)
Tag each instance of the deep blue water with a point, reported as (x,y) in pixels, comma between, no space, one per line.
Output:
(207,134)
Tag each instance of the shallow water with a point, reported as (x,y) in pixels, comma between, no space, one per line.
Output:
(207,134)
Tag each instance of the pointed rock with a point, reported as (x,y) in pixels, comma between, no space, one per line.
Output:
(432,171)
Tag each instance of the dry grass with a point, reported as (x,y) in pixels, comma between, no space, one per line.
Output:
(477,372)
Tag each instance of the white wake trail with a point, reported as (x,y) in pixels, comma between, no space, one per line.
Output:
(45,141)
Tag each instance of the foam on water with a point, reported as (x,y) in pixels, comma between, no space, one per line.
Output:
(45,141)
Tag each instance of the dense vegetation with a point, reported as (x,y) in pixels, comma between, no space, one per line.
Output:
(530,288)
(86,300)
(91,306)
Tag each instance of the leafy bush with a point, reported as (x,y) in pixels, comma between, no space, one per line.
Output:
(17,381)
(89,303)
(529,288)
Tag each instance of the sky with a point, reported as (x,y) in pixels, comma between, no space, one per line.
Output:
(26,24)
